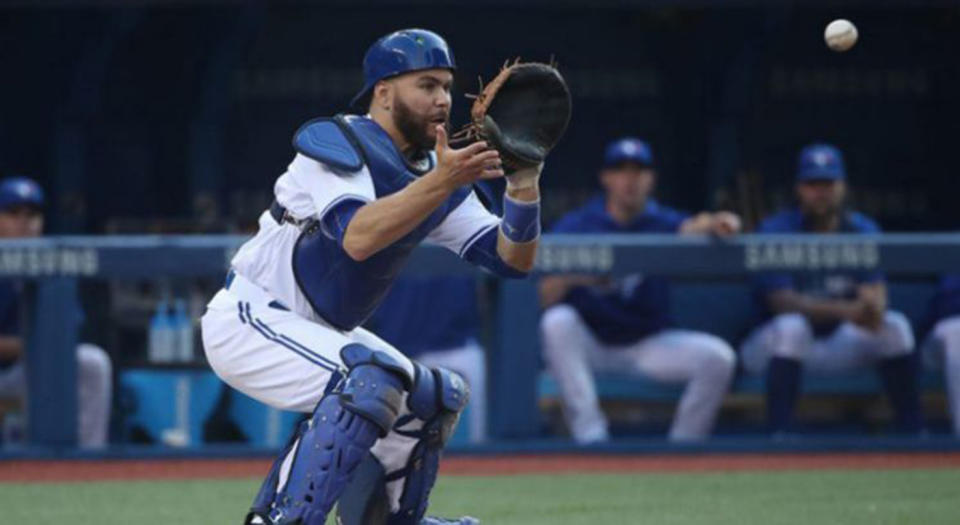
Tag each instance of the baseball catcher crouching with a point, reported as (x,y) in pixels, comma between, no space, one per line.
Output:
(362,192)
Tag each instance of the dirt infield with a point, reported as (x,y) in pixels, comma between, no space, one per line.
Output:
(79,471)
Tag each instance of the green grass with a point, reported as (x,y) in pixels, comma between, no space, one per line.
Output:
(928,497)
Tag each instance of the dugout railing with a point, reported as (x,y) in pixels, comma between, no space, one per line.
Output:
(51,268)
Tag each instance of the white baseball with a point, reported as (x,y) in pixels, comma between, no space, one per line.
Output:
(840,35)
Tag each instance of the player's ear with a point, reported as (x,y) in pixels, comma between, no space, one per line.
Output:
(842,189)
(383,95)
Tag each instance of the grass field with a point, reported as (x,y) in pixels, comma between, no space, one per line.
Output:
(927,497)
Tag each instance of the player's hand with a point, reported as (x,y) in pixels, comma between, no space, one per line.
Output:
(874,311)
(867,314)
(725,224)
(464,166)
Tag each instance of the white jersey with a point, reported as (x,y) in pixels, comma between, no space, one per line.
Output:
(308,190)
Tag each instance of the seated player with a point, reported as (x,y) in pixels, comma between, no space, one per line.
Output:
(596,324)
(829,321)
(941,350)
(435,320)
(21,215)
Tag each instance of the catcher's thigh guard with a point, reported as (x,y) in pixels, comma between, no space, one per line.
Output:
(344,426)
(437,397)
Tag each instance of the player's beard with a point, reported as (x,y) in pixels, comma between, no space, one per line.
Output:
(414,127)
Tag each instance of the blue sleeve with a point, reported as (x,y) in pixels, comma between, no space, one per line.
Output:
(670,220)
(770,225)
(483,253)
(334,222)
(863,224)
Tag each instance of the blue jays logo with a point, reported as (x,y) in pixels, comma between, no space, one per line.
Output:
(822,158)
(24,189)
(631,148)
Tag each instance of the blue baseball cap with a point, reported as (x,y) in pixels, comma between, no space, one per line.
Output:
(820,162)
(402,52)
(20,191)
(628,149)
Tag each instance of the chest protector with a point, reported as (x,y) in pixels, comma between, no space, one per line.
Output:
(342,291)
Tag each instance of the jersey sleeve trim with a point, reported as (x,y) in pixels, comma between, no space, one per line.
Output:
(333,204)
(473,238)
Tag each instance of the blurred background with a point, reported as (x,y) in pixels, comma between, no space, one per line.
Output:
(176,117)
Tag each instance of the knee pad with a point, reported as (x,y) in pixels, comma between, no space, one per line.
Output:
(375,385)
(437,397)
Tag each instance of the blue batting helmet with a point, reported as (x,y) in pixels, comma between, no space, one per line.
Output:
(20,191)
(402,52)
(628,149)
(820,162)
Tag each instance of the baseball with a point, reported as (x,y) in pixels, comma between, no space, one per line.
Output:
(840,35)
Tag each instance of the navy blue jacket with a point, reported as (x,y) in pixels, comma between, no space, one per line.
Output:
(636,306)
(826,284)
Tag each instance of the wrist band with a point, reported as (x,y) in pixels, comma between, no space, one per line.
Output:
(521,220)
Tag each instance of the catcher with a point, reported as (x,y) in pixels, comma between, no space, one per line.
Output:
(360,195)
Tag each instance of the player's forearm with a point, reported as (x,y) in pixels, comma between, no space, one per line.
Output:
(722,223)
(519,256)
(815,309)
(701,223)
(875,294)
(382,222)
(11,347)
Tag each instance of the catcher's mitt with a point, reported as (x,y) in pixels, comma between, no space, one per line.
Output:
(522,113)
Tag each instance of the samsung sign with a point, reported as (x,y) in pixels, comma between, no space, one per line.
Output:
(860,255)
(39,262)
(587,258)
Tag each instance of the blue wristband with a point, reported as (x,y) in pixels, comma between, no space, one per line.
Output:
(521,220)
